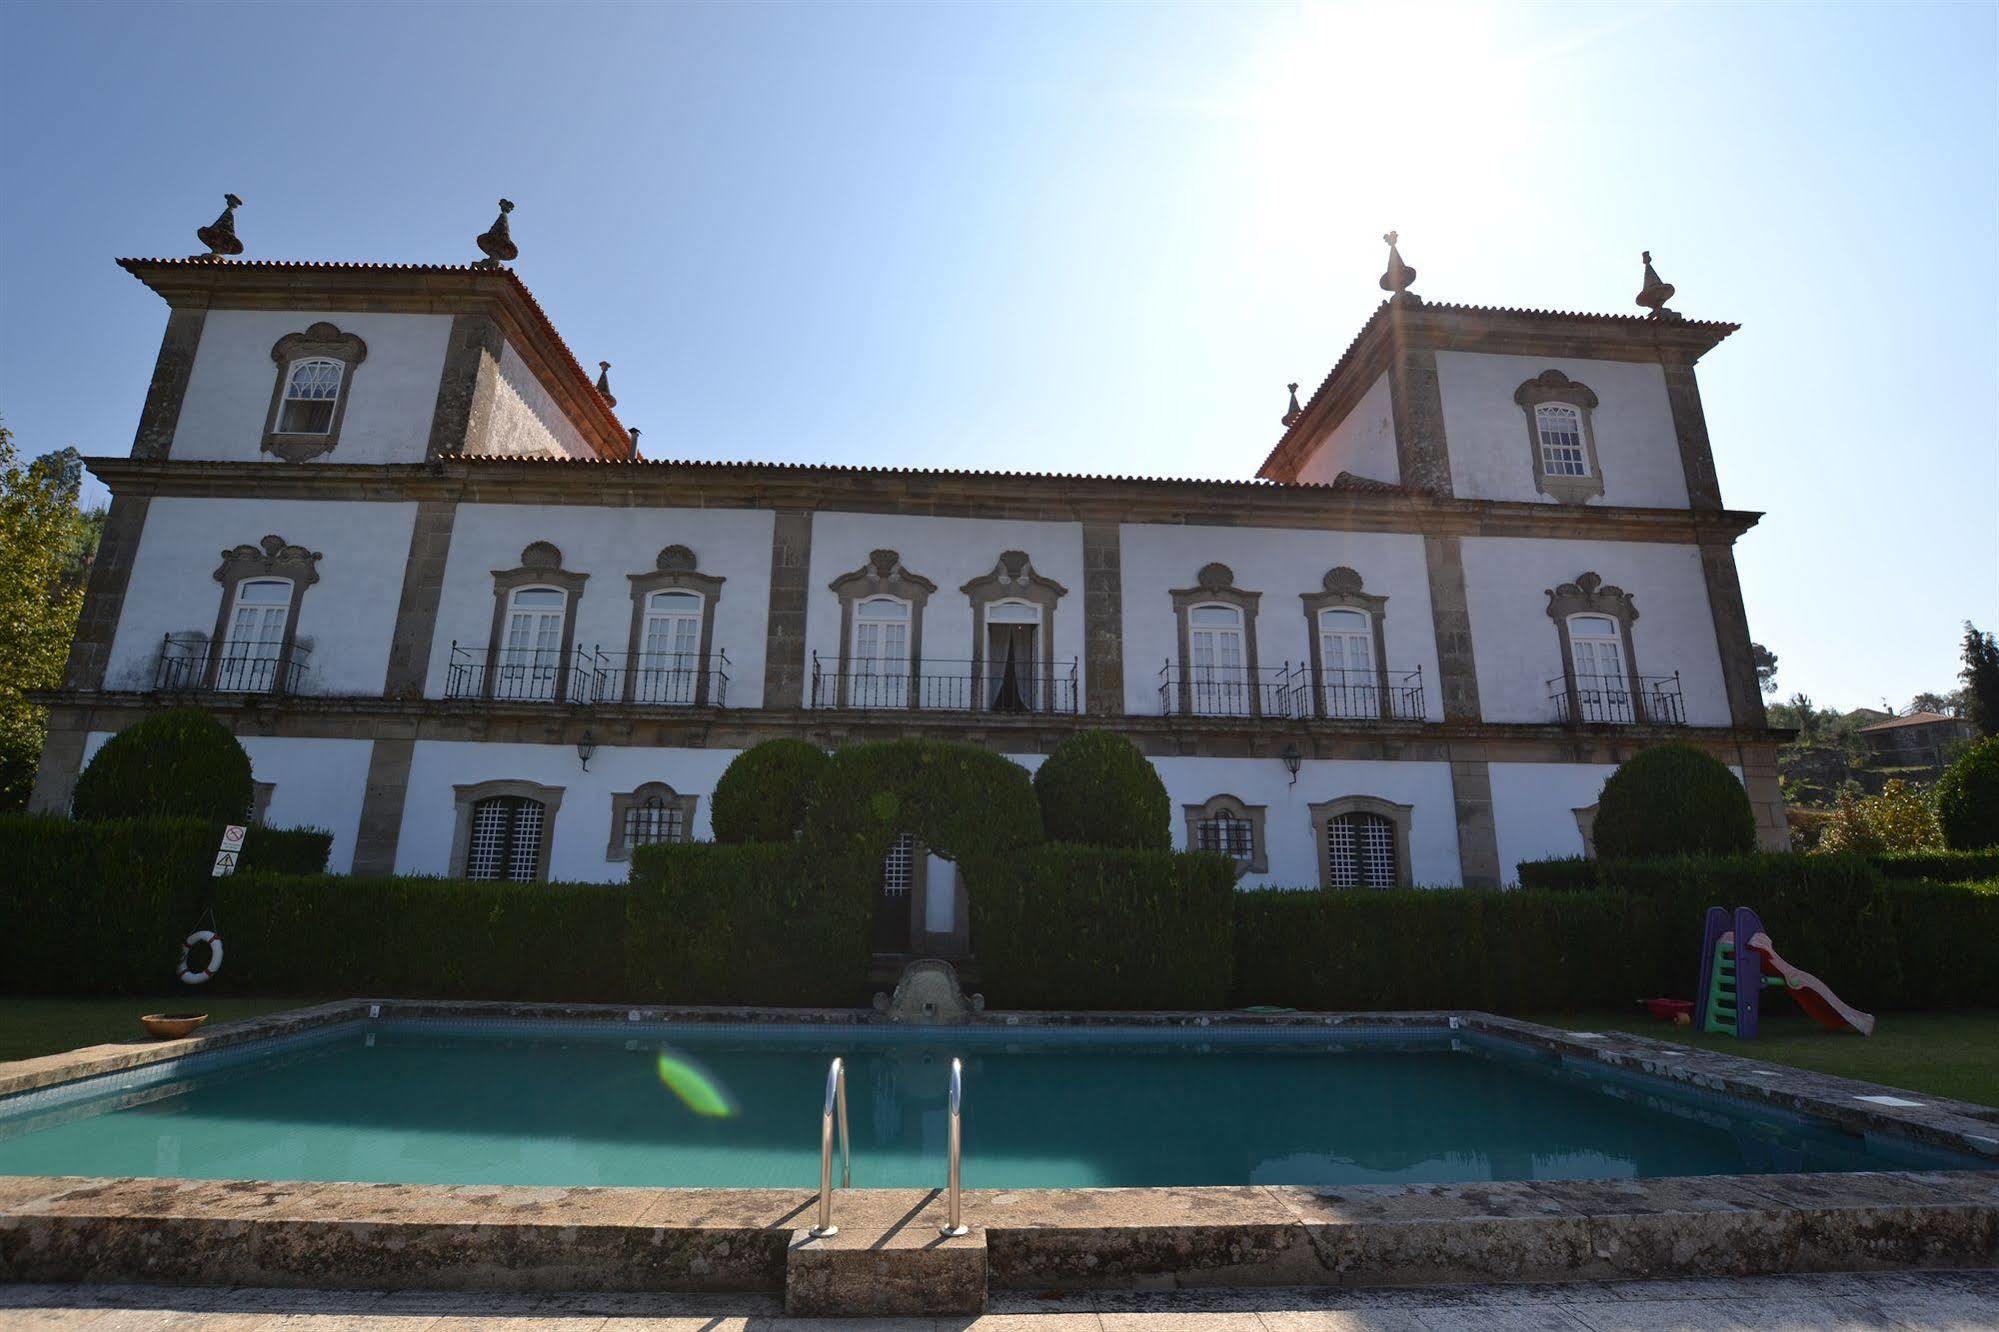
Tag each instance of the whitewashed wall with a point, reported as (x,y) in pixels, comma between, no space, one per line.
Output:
(609,545)
(950,552)
(317,784)
(1362,443)
(526,420)
(390,402)
(582,828)
(1516,643)
(1283,565)
(1491,456)
(1293,852)
(1533,809)
(349,615)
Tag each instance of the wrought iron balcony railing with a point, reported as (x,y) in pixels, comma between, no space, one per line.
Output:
(197,665)
(524,675)
(1291,691)
(667,679)
(1618,699)
(946,685)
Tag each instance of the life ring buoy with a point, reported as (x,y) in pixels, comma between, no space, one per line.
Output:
(189,976)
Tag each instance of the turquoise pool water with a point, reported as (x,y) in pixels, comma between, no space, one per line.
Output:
(457,1104)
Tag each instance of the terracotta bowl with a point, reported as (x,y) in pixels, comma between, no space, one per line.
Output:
(171,1026)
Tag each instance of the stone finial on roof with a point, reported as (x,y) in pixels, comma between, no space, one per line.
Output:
(220,235)
(604,383)
(1292,413)
(1399,276)
(498,240)
(635,440)
(1656,292)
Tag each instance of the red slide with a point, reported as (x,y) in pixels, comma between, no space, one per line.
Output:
(1811,992)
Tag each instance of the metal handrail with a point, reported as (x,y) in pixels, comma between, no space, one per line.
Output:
(954,1226)
(836,1099)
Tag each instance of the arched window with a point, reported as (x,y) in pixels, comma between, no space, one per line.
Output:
(1012,655)
(1598,648)
(1227,835)
(255,639)
(653,819)
(530,662)
(1560,428)
(312,388)
(670,660)
(1219,678)
(1346,663)
(880,654)
(506,839)
(1360,851)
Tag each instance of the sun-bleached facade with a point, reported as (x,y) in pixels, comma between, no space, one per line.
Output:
(379,520)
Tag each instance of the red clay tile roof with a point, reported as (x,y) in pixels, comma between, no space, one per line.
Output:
(1909,719)
(546,326)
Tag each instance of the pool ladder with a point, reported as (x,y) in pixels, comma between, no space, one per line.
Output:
(833,1114)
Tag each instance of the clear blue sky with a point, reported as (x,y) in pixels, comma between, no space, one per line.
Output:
(1093,239)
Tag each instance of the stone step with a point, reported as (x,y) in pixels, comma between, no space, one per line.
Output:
(885,1261)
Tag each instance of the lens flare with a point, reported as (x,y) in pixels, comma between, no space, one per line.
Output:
(699,1092)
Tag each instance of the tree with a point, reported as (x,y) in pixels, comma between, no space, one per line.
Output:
(40,531)
(1981,679)
(1948,705)
(1766,667)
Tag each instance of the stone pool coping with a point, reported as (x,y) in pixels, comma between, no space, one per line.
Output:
(888,1258)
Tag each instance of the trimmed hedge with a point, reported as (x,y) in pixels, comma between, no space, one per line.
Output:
(1673,800)
(1090,927)
(1940,866)
(1096,789)
(286,850)
(751,924)
(763,795)
(420,938)
(181,763)
(966,804)
(1968,798)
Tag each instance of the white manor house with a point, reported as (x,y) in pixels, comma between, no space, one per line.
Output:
(379,520)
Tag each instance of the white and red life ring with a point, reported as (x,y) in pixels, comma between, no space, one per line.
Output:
(214,942)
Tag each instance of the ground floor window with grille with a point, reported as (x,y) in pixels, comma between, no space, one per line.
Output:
(506,839)
(1228,835)
(1360,851)
(892,923)
(654,819)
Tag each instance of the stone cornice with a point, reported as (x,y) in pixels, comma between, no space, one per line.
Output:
(733,728)
(399,289)
(1010,496)
(1397,327)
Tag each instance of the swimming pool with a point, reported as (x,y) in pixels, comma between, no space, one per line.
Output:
(736,1105)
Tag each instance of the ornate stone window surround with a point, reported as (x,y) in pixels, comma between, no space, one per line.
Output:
(882,576)
(675,570)
(1399,816)
(1590,595)
(1215,586)
(540,566)
(321,341)
(624,801)
(465,797)
(1259,860)
(1554,386)
(1341,590)
(1013,579)
(272,557)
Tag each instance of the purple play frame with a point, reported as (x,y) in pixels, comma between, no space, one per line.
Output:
(1748,968)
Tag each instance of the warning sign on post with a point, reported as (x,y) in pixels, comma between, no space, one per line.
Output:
(231,848)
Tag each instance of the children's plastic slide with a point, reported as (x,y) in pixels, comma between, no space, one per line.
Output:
(1732,980)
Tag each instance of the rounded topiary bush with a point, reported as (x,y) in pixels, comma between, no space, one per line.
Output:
(1968,798)
(963,803)
(1096,789)
(1673,800)
(763,794)
(181,763)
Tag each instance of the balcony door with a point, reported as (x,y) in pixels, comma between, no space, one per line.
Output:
(1346,664)
(1220,679)
(1013,655)
(1603,686)
(669,665)
(530,665)
(880,654)
(255,640)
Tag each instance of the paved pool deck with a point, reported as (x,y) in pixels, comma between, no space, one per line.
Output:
(1888,1302)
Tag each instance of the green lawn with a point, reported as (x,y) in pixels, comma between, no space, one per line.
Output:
(1944,1054)
(30,1027)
